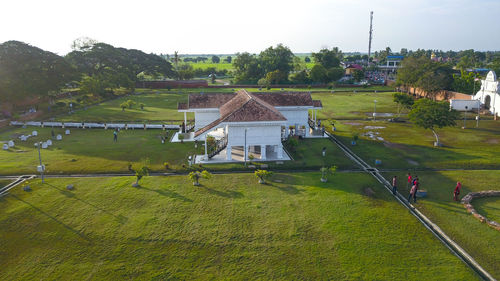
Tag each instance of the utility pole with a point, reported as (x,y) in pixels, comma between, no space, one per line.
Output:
(370,37)
(41,168)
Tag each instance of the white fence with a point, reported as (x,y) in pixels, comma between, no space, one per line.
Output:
(96,125)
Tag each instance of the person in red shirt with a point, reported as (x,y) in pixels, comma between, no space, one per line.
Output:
(456,192)
(410,181)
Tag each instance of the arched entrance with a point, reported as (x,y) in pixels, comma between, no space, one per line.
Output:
(487,102)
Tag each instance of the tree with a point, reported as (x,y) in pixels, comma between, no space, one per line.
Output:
(195,176)
(335,73)
(247,68)
(142,171)
(215,59)
(358,75)
(262,175)
(276,77)
(278,58)
(185,72)
(27,71)
(328,58)
(325,172)
(403,100)
(83,44)
(307,59)
(465,82)
(228,59)
(123,105)
(300,77)
(319,74)
(130,103)
(430,114)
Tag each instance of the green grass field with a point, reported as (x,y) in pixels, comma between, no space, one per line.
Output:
(231,227)
(93,151)
(4,183)
(409,147)
(478,239)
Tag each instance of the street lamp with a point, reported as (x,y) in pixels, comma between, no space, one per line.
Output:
(477,117)
(374,109)
(465,114)
(40,168)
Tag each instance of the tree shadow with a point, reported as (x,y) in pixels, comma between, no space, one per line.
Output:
(168,193)
(80,234)
(120,218)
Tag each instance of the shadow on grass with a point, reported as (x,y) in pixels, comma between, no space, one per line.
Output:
(120,218)
(81,235)
(168,193)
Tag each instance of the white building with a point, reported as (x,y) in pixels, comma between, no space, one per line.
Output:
(489,94)
(252,123)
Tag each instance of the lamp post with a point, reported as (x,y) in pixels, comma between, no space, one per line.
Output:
(41,167)
(477,117)
(374,109)
(245,148)
(465,114)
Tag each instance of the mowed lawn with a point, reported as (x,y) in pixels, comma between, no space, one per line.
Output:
(478,239)
(350,105)
(404,145)
(159,105)
(93,151)
(231,227)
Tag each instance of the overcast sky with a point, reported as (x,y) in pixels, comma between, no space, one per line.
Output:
(230,26)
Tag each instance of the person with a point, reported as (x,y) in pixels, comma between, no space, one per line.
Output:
(456,192)
(115,136)
(394,188)
(410,181)
(412,191)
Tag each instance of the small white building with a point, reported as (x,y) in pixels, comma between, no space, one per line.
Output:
(252,123)
(489,94)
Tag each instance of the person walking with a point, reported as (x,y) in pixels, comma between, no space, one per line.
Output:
(115,136)
(412,191)
(394,183)
(456,192)
(410,181)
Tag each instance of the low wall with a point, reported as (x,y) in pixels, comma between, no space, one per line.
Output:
(442,95)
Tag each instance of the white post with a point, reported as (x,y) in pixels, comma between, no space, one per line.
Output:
(228,153)
(185,119)
(263,152)
(280,151)
(245,152)
(206,153)
(494,107)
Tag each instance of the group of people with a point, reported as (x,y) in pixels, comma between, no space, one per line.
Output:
(414,183)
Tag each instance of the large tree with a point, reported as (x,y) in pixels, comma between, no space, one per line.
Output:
(247,68)
(119,67)
(27,71)
(278,58)
(430,114)
(328,58)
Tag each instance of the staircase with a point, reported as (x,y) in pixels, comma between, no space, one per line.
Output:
(219,146)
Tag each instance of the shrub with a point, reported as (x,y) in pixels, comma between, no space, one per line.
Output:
(196,175)
(262,175)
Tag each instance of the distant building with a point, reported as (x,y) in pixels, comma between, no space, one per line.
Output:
(350,68)
(392,64)
(489,94)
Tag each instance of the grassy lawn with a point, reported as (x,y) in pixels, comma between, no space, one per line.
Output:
(489,207)
(478,239)
(354,105)
(230,227)
(4,182)
(407,146)
(93,151)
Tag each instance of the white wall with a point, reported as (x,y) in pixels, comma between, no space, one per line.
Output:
(461,104)
(256,135)
(295,116)
(203,118)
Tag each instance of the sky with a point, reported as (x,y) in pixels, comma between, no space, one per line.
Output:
(230,26)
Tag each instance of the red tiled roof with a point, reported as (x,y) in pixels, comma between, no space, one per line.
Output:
(216,100)
(317,103)
(244,107)
(209,100)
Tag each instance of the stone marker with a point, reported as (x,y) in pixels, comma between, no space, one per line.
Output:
(49,142)
(67,132)
(11,143)
(59,137)
(34,133)
(23,138)
(5,146)
(70,187)
(44,145)
(27,188)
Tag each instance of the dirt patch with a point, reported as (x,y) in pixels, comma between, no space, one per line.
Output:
(493,141)
(369,192)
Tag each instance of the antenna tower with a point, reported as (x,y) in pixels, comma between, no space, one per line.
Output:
(370,38)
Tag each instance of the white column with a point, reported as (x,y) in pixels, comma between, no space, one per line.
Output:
(280,151)
(263,152)
(228,153)
(245,153)
(307,130)
(185,120)
(206,153)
